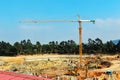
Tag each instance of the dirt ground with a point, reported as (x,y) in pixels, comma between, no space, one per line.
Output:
(61,65)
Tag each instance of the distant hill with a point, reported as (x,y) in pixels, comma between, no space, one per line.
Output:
(115,41)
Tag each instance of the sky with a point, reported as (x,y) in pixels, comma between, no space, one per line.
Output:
(106,13)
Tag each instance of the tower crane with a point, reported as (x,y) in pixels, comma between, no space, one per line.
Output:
(80,29)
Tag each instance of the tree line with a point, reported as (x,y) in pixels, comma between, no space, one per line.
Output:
(26,47)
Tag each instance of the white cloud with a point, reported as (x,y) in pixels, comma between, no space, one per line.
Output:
(35,33)
(109,22)
(35,28)
(106,29)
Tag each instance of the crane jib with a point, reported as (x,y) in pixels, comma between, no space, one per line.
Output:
(36,21)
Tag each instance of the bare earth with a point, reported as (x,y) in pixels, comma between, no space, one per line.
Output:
(52,65)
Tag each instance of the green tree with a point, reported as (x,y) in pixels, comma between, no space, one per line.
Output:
(98,45)
(18,47)
(91,46)
(85,48)
(26,47)
(110,47)
(46,48)
(6,49)
(23,46)
(118,47)
(29,47)
(72,46)
(38,47)
(62,47)
(53,46)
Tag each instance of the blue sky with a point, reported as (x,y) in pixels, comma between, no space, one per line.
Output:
(105,12)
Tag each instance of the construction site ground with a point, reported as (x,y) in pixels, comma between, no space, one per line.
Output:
(64,67)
